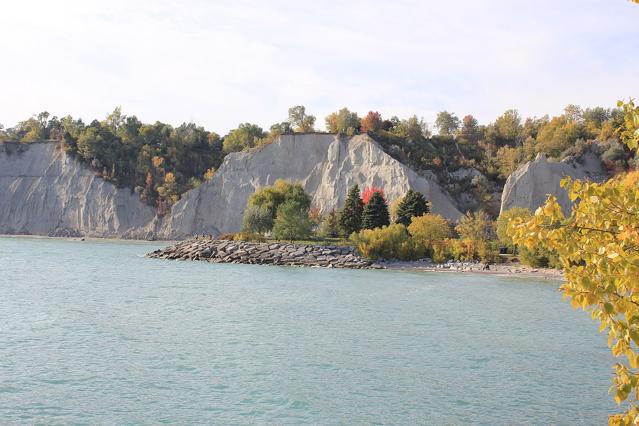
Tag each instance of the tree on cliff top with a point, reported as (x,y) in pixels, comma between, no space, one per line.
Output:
(447,123)
(301,122)
(372,122)
(350,216)
(343,121)
(246,135)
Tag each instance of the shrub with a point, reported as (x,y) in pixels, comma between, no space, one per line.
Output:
(329,227)
(428,231)
(466,250)
(538,258)
(475,226)
(389,242)
(440,252)
(292,222)
(230,236)
(249,236)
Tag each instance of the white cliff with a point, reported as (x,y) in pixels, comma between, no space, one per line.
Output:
(43,191)
(530,185)
(326,165)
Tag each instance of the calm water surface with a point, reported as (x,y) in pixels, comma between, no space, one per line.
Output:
(93,333)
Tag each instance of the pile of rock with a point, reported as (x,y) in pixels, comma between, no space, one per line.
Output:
(226,251)
(463,266)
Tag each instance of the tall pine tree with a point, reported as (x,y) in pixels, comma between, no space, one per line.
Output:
(350,217)
(413,204)
(375,214)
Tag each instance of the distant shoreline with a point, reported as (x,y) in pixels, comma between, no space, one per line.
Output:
(79,239)
(505,270)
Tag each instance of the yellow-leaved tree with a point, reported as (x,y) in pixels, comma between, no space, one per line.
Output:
(598,247)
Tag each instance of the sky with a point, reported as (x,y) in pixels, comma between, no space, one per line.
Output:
(221,63)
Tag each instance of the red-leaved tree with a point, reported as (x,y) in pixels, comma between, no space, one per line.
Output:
(373,121)
(368,193)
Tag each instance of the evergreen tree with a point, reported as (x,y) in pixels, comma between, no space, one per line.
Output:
(375,214)
(412,205)
(350,217)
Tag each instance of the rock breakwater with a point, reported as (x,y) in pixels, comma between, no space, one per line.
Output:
(227,251)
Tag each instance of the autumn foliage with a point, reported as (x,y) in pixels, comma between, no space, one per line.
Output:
(369,191)
(372,122)
(598,247)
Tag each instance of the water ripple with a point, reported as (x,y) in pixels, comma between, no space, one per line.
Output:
(94,333)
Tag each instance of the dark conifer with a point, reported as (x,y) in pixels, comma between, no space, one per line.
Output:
(375,214)
(413,204)
(350,217)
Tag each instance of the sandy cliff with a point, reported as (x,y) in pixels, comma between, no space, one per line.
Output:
(530,185)
(45,192)
(326,165)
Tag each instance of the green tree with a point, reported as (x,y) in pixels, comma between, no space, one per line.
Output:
(292,222)
(282,128)
(247,135)
(375,213)
(350,216)
(508,128)
(413,204)
(343,121)
(257,219)
(301,122)
(271,197)
(414,129)
(558,135)
(446,123)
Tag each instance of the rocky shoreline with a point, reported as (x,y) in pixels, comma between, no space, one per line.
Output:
(504,269)
(257,253)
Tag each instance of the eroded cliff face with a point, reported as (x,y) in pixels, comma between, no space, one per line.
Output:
(43,191)
(530,185)
(326,165)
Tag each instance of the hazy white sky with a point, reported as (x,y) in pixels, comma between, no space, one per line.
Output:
(220,63)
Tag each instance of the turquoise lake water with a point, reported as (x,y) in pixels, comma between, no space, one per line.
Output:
(94,333)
